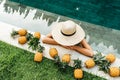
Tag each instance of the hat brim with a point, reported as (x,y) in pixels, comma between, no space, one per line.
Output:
(67,40)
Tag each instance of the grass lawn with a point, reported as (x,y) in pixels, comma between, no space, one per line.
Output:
(18,64)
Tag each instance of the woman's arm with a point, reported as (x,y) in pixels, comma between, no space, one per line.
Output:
(49,40)
(84,51)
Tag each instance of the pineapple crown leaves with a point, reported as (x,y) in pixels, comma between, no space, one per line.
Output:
(40,48)
(34,43)
(57,59)
(63,65)
(29,36)
(98,58)
(14,33)
(101,62)
(77,63)
(104,66)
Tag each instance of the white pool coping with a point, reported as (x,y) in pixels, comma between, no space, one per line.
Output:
(6,29)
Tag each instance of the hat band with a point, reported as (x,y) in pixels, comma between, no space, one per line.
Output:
(68,34)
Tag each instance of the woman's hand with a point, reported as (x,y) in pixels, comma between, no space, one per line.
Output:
(80,49)
(73,47)
(70,47)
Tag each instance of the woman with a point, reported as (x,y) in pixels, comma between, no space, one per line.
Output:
(69,35)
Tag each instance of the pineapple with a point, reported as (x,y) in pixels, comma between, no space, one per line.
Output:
(34,43)
(104,65)
(29,36)
(38,57)
(53,52)
(65,61)
(40,48)
(22,40)
(78,72)
(66,58)
(37,35)
(22,32)
(114,71)
(98,58)
(110,57)
(89,63)
(14,33)
(101,62)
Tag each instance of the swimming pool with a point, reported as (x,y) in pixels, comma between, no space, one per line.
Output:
(100,12)
(103,39)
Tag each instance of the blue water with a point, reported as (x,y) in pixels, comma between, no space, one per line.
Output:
(100,12)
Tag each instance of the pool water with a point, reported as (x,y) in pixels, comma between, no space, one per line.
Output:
(100,12)
(101,38)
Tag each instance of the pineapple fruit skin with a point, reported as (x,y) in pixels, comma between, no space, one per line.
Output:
(22,40)
(90,63)
(66,58)
(53,52)
(78,73)
(22,32)
(38,57)
(110,57)
(114,71)
(37,35)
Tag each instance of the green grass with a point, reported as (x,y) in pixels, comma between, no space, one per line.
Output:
(18,64)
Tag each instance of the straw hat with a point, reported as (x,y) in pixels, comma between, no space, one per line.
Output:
(68,33)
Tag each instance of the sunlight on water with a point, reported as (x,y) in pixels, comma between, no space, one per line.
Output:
(104,49)
(25,17)
(101,47)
